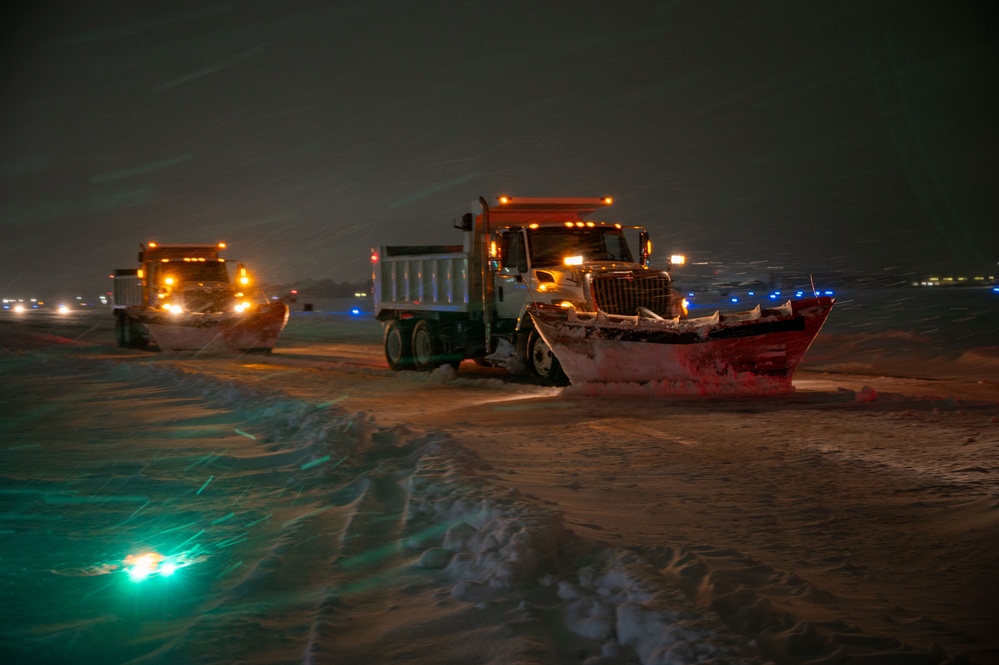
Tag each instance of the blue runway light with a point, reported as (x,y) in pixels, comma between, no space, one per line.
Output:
(355,311)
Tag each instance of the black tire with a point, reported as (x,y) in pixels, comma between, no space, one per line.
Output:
(397,346)
(426,347)
(129,333)
(544,366)
(121,330)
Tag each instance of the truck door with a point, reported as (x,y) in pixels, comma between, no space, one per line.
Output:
(513,277)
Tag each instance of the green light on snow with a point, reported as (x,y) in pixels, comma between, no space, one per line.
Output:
(141,567)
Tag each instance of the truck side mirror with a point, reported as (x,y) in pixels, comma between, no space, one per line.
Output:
(644,255)
(466,222)
(519,242)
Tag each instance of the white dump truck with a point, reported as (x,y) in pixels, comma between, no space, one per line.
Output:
(444,303)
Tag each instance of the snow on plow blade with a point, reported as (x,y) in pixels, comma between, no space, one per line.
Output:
(253,330)
(751,353)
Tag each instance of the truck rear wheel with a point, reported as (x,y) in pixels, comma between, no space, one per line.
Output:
(426,347)
(545,367)
(397,346)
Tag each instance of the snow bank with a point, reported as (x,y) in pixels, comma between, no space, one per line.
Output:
(490,542)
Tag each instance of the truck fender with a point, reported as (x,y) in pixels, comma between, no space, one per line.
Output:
(524,321)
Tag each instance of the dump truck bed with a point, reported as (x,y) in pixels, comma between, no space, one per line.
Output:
(432,278)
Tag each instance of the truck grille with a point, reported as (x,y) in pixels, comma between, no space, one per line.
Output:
(624,294)
(207,301)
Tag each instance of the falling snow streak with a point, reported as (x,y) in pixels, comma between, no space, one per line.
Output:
(206,484)
(323,460)
(141,170)
(206,459)
(901,115)
(315,462)
(213,69)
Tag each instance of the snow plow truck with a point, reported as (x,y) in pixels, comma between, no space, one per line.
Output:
(539,288)
(181,297)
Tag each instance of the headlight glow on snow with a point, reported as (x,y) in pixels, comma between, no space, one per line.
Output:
(140,567)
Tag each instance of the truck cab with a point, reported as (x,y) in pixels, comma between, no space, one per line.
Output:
(548,263)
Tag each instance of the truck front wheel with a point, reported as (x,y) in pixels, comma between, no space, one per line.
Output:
(397,347)
(545,367)
(129,333)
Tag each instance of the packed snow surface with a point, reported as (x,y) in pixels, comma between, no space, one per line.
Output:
(311,506)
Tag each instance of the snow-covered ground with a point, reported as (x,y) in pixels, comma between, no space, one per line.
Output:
(322,509)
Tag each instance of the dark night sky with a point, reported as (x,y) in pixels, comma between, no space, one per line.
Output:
(817,135)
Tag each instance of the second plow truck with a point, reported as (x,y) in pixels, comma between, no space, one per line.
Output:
(181,297)
(444,303)
(538,288)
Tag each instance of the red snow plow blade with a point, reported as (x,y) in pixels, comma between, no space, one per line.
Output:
(253,330)
(751,353)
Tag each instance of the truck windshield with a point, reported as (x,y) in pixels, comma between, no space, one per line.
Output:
(549,246)
(209,271)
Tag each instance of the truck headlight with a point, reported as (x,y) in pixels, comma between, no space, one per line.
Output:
(173,308)
(242,307)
